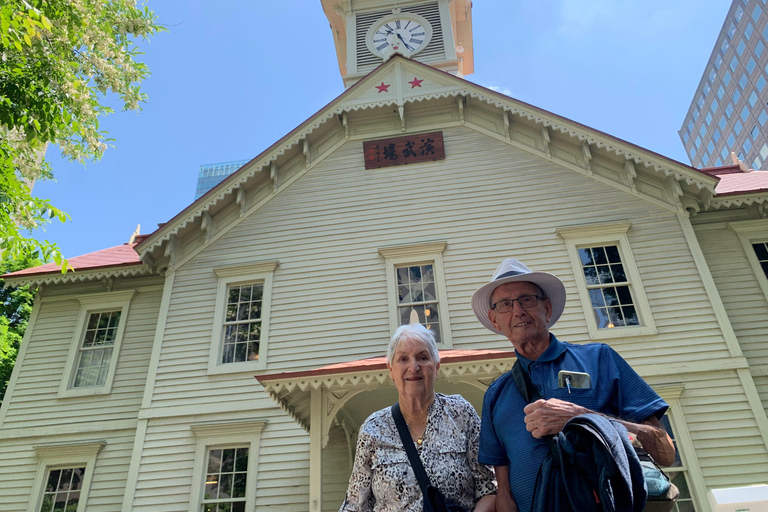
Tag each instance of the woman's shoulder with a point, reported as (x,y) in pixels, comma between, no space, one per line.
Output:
(378,420)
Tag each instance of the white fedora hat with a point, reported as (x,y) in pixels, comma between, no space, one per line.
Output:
(511,271)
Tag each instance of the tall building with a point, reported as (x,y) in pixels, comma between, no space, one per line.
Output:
(212,174)
(729,111)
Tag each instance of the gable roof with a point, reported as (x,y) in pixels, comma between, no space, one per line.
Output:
(404,84)
(391,85)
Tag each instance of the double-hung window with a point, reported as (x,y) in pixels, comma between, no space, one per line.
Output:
(611,293)
(63,476)
(416,288)
(95,347)
(241,325)
(225,466)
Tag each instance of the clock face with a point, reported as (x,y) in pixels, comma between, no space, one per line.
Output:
(404,33)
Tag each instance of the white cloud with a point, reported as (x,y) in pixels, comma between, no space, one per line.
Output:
(502,90)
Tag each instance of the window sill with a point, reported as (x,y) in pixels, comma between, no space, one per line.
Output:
(89,391)
(249,366)
(621,332)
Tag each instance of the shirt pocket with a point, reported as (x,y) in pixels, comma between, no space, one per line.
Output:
(389,457)
(452,444)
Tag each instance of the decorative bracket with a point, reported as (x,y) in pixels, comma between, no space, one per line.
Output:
(507,125)
(547,140)
(240,200)
(273,174)
(629,168)
(172,250)
(587,157)
(460,100)
(305,150)
(401,111)
(206,224)
(345,123)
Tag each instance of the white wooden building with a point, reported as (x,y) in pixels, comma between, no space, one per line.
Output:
(225,359)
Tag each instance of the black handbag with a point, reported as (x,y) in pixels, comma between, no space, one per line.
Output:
(434,500)
(663,501)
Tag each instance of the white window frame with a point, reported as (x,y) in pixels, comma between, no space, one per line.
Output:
(671,394)
(57,456)
(749,232)
(594,235)
(95,303)
(253,273)
(212,435)
(430,253)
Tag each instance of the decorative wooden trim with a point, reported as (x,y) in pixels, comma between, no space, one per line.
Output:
(133,469)
(594,230)
(734,348)
(249,268)
(97,300)
(157,343)
(77,451)
(755,404)
(688,454)
(229,428)
(412,250)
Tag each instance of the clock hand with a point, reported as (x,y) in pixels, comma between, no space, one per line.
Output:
(406,44)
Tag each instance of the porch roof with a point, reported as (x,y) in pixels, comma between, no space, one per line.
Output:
(293,390)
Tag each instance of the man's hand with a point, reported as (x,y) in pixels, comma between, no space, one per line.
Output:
(504,500)
(548,417)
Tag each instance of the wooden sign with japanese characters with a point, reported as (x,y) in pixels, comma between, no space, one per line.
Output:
(409,149)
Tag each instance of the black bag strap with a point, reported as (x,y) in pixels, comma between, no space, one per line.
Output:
(530,394)
(410,450)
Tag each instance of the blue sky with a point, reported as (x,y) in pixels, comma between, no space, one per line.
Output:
(233,76)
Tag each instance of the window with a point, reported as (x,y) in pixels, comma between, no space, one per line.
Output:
(737,127)
(241,324)
(746,145)
(740,50)
(756,14)
(731,141)
(708,118)
(63,476)
(761,251)
(734,63)
(727,78)
(96,351)
(722,123)
(739,13)
(714,105)
(718,61)
(720,92)
(716,136)
(729,109)
(724,153)
(95,347)
(748,31)
(764,151)
(763,117)
(610,290)
(759,47)
(62,489)
(415,285)
(752,101)
(743,81)
(731,30)
(753,235)
(751,65)
(225,466)
(760,83)
(225,479)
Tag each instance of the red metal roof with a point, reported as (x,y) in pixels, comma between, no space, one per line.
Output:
(118,256)
(380,363)
(735,181)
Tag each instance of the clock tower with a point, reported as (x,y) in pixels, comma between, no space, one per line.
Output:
(368,32)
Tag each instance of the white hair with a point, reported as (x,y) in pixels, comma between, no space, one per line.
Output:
(413,332)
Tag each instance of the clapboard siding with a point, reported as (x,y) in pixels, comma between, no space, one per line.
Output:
(744,300)
(168,457)
(34,401)
(20,465)
(326,228)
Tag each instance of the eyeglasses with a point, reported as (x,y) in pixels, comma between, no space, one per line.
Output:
(526,302)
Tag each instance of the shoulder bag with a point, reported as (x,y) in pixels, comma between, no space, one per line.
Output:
(434,500)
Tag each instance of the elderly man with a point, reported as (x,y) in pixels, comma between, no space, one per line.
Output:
(522,305)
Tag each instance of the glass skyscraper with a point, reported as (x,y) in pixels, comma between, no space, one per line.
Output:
(729,112)
(211,175)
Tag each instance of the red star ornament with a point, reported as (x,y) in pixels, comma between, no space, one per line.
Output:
(415,82)
(383,87)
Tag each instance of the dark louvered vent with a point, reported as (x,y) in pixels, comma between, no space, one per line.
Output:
(366,61)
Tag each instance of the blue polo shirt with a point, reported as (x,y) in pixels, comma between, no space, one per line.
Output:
(616,390)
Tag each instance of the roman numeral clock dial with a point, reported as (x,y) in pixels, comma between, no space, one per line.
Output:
(402,32)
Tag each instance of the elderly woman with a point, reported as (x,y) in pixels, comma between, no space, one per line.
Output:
(445,430)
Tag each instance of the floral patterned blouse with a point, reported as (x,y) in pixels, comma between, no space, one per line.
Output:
(382,479)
